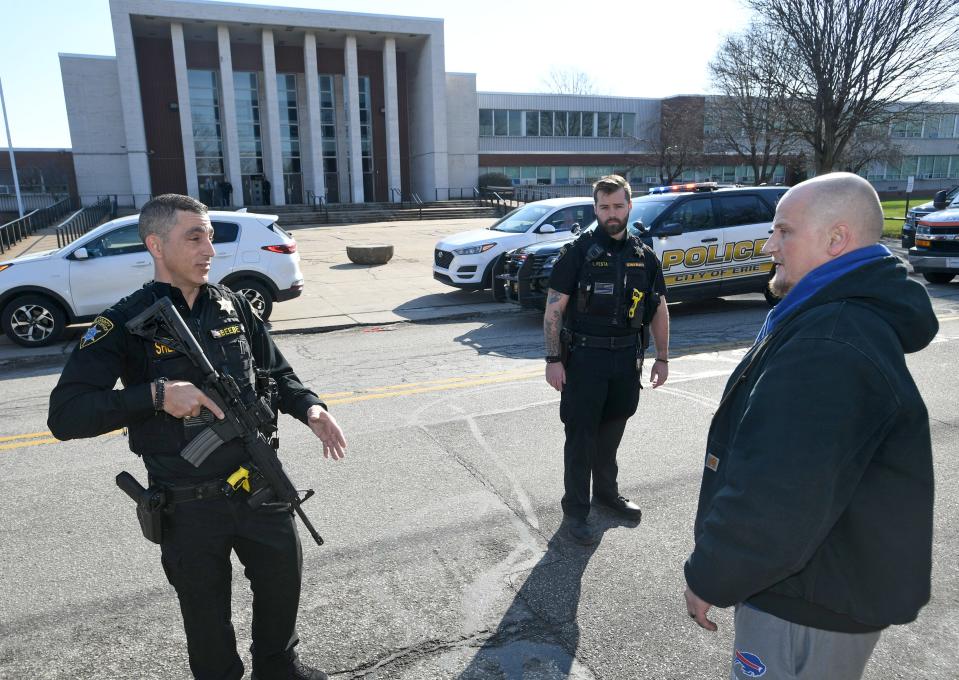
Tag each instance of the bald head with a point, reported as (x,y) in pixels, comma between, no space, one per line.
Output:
(841,198)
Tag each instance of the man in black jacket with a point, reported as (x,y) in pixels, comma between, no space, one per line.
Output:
(815,512)
(204,524)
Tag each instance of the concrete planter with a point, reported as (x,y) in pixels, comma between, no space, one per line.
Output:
(371,254)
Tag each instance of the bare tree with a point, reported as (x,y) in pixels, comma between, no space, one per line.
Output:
(568,80)
(677,137)
(752,117)
(856,59)
(870,145)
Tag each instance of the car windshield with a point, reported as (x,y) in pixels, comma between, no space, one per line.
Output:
(521,219)
(646,209)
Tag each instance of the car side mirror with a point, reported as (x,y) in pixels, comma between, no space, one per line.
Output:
(547,229)
(81,254)
(640,227)
(672,229)
(939,202)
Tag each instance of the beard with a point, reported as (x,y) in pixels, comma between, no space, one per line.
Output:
(613,226)
(778,284)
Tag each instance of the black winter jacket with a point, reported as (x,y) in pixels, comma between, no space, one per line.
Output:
(817,496)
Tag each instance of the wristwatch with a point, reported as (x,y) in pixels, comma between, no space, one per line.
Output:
(158,397)
(553,358)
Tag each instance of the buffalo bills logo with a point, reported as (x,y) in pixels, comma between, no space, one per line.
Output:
(751,665)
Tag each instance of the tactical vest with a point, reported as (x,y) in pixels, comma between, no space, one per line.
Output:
(614,289)
(222,334)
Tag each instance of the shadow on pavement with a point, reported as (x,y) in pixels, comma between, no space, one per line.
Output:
(539,634)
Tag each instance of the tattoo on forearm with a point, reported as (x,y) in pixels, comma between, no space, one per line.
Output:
(554,297)
(552,323)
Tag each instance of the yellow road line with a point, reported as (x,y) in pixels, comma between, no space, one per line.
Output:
(24,444)
(436,388)
(31,435)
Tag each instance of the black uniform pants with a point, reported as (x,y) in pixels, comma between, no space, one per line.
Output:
(601,393)
(196,558)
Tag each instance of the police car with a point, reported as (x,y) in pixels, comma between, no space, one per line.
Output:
(708,238)
(465,260)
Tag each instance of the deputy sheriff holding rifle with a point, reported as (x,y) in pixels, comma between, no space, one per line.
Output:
(606,293)
(204,518)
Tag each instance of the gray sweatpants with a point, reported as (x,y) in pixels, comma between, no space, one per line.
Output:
(769,647)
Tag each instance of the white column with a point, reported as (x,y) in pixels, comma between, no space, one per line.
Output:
(272,155)
(352,87)
(134,133)
(231,140)
(393,171)
(186,116)
(313,151)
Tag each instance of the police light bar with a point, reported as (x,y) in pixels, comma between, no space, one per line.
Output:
(688,186)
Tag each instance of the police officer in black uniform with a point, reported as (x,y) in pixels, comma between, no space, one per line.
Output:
(605,291)
(203,525)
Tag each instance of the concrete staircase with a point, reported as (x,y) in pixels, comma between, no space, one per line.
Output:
(356,213)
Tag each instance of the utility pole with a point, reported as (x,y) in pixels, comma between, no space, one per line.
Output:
(13,159)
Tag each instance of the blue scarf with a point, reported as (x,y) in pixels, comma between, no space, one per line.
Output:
(818,278)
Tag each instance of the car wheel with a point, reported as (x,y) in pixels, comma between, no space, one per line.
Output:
(938,277)
(259,296)
(771,298)
(33,321)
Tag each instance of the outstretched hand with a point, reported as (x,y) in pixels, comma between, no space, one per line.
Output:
(326,428)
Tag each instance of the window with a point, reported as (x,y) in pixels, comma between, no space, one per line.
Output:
(746,209)
(693,215)
(328,138)
(532,123)
(602,126)
(629,124)
(207,140)
(561,173)
(225,232)
(559,123)
(486,122)
(247,96)
(290,137)
(500,122)
(122,241)
(516,123)
(546,123)
(907,127)
(589,124)
(574,127)
(564,219)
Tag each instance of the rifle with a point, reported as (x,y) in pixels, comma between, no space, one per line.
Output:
(241,421)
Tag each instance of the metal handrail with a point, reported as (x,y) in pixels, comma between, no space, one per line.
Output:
(86,219)
(19,229)
(419,203)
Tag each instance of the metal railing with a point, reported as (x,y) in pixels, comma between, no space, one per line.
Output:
(459,193)
(86,219)
(419,203)
(318,202)
(19,229)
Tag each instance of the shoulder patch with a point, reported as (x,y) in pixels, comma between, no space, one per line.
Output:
(101,326)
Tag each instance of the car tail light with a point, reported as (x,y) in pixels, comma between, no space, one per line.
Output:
(283,249)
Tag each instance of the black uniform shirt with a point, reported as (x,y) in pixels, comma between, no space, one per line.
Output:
(85,404)
(566,272)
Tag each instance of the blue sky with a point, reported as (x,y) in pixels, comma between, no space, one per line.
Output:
(640,49)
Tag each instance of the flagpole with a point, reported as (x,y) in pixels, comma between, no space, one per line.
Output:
(13,159)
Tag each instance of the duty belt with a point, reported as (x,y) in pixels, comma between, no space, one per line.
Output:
(604,342)
(194,492)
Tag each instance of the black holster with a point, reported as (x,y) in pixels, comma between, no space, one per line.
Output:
(151,506)
(565,340)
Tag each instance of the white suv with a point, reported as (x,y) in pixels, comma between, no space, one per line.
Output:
(465,260)
(40,293)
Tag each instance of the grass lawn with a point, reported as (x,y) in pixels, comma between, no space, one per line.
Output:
(895,213)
